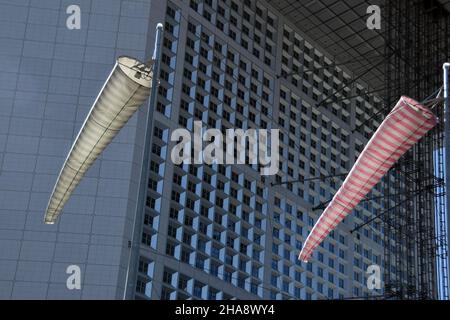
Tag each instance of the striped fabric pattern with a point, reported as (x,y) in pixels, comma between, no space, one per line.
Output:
(406,124)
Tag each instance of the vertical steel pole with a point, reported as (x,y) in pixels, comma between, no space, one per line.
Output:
(131,275)
(446,68)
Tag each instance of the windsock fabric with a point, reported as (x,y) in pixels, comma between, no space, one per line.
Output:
(125,90)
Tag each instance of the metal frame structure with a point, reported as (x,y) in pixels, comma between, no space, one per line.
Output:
(446,68)
(340,27)
(417,43)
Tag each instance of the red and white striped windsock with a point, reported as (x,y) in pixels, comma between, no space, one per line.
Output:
(406,124)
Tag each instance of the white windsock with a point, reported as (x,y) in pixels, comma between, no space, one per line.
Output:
(127,88)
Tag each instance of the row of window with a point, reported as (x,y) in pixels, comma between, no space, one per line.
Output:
(222,89)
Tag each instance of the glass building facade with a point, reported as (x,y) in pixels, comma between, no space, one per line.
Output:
(208,231)
(223,231)
(50,76)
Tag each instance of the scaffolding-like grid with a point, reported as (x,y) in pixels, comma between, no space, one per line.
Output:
(417,43)
(414,42)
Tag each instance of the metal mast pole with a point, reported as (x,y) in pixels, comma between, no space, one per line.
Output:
(446,68)
(130,281)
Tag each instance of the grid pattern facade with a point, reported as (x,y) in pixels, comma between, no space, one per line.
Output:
(209,232)
(224,231)
(49,78)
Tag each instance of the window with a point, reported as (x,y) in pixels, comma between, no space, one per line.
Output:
(170,249)
(172,231)
(167,277)
(273,280)
(285,286)
(182,283)
(143,266)
(170,12)
(320,287)
(174,213)
(150,202)
(140,286)
(146,238)
(197,291)
(185,255)
(309,282)
(192,28)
